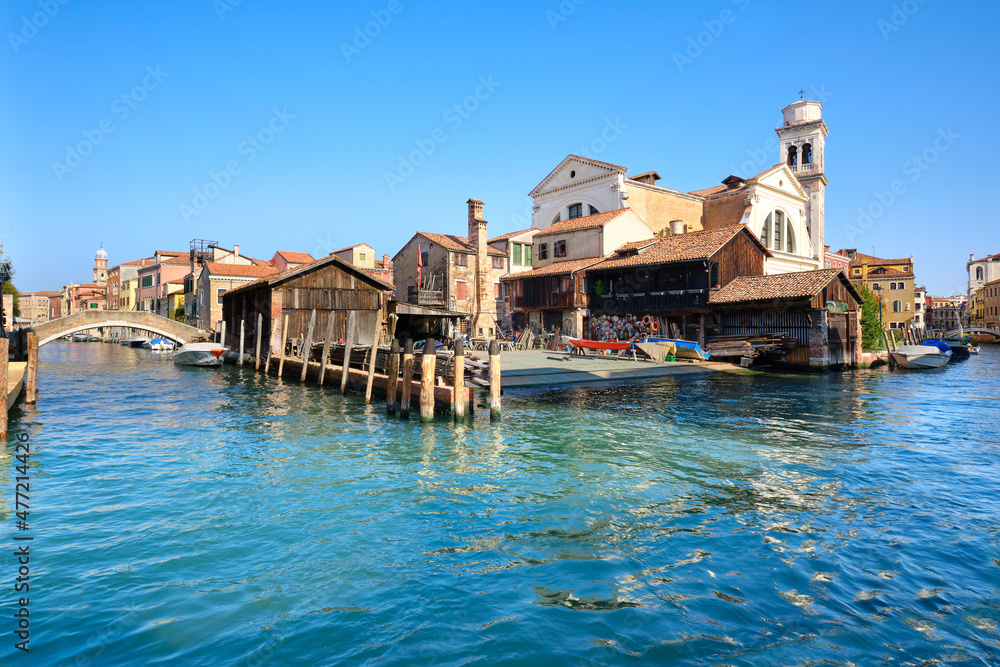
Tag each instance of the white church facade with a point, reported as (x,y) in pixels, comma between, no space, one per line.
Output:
(783,205)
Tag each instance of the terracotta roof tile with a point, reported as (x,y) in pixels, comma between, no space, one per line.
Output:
(174,261)
(240,270)
(676,248)
(804,284)
(555,269)
(296,257)
(456,243)
(510,235)
(874,261)
(586,222)
(886,272)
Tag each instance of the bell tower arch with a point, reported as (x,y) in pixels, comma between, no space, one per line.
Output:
(802,146)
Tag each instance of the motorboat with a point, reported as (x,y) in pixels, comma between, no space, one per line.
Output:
(161,344)
(922,356)
(199,354)
(138,341)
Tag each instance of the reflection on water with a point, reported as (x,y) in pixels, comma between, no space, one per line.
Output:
(214,516)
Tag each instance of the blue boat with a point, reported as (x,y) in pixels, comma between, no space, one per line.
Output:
(686,349)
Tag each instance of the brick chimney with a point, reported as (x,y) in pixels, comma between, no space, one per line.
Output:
(385,261)
(483,309)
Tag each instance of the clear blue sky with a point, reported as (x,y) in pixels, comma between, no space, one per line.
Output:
(556,72)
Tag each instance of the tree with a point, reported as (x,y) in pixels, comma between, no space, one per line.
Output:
(871,325)
(8,287)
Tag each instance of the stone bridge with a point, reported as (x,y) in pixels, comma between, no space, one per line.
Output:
(957,333)
(97,319)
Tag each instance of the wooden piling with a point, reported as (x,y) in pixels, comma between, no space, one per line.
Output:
(376,335)
(307,345)
(284,339)
(222,334)
(349,340)
(428,366)
(393,375)
(31,380)
(4,353)
(458,369)
(239,362)
(404,402)
(326,348)
(494,380)
(260,327)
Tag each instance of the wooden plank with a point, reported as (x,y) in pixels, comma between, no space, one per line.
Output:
(373,354)
(256,356)
(428,364)
(307,345)
(326,348)
(392,376)
(348,345)
(284,338)
(31,394)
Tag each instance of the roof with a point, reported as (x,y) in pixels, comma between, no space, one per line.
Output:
(383,264)
(241,270)
(985,259)
(733,184)
(40,293)
(177,260)
(586,222)
(676,248)
(510,235)
(297,257)
(456,243)
(179,281)
(800,285)
(280,278)
(614,168)
(171,253)
(555,269)
(886,272)
(645,175)
(874,261)
(356,245)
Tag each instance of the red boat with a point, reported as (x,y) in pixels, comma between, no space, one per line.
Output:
(600,345)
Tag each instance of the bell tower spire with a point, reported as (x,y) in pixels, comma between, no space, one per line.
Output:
(802,146)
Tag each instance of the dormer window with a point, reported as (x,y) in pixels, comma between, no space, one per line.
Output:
(575,211)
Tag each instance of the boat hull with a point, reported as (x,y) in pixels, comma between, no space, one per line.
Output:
(600,345)
(920,356)
(199,354)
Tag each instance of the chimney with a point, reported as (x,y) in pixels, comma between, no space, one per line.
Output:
(483,307)
(385,261)
(676,227)
(236,251)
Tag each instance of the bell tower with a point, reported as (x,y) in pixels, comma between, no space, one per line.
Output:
(101,266)
(802,146)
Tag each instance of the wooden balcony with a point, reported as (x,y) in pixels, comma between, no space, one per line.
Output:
(427,298)
(545,300)
(644,302)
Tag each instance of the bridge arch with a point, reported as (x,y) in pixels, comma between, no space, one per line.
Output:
(955,333)
(98,319)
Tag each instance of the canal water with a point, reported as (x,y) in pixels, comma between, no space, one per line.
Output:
(217,517)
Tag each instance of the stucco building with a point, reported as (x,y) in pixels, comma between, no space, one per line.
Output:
(982,271)
(215,279)
(991,304)
(891,280)
(35,306)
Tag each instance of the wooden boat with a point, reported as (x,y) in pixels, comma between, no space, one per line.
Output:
(658,351)
(600,345)
(686,349)
(921,356)
(199,354)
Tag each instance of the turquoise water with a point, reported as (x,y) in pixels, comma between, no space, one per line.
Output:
(216,517)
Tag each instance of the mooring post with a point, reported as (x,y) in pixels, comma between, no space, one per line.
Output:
(242,340)
(256,356)
(404,402)
(393,379)
(349,339)
(284,339)
(31,381)
(428,368)
(4,352)
(376,335)
(270,347)
(494,380)
(307,345)
(458,368)
(326,348)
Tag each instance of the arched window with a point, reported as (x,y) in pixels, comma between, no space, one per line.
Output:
(897,306)
(979,273)
(575,211)
(593,211)
(765,231)
(807,154)
(778,233)
(793,156)
(789,239)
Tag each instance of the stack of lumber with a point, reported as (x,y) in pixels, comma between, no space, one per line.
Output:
(751,345)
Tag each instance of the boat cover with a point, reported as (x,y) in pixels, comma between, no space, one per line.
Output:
(939,344)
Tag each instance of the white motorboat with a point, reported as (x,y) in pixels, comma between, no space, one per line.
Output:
(199,354)
(921,356)
(161,344)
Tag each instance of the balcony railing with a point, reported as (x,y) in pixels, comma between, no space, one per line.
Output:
(651,301)
(554,300)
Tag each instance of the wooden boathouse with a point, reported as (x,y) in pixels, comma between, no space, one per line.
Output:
(283,304)
(818,312)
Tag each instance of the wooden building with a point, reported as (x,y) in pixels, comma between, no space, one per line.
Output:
(671,279)
(820,309)
(330,285)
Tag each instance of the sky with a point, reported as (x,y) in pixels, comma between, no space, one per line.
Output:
(311,126)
